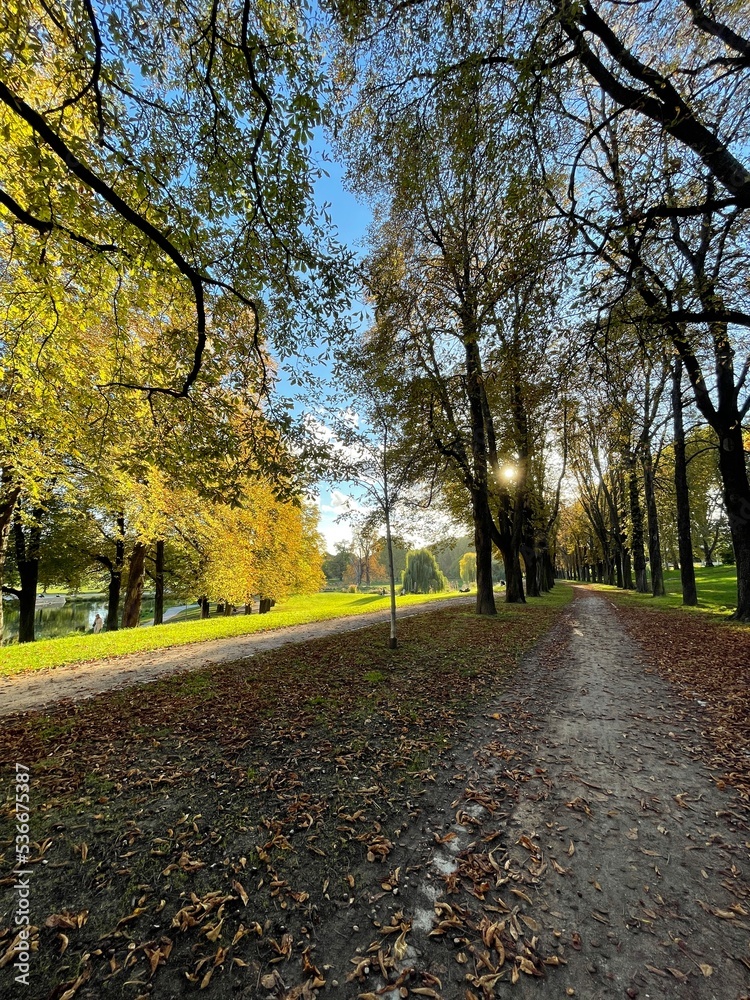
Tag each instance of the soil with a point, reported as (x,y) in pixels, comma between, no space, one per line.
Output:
(567,840)
(76,681)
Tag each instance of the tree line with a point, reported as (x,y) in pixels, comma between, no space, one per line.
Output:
(556,268)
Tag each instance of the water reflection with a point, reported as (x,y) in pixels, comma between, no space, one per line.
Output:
(76,615)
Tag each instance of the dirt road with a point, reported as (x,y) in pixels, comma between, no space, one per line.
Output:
(635,863)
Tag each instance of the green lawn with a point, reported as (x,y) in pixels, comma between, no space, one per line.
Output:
(717,590)
(295,611)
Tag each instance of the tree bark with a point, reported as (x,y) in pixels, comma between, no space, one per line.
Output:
(131,611)
(27,563)
(636,518)
(115,577)
(652,515)
(205,607)
(392,639)
(479,456)
(627,571)
(7,507)
(682,492)
(159,584)
(736,491)
(529,556)
(485,604)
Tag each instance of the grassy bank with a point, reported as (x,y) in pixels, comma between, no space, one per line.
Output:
(295,611)
(717,591)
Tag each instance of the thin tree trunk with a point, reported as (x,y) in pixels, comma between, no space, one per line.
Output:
(627,571)
(530,560)
(392,640)
(159,584)
(682,492)
(131,611)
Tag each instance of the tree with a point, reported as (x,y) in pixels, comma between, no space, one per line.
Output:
(152,136)
(467,568)
(335,565)
(422,574)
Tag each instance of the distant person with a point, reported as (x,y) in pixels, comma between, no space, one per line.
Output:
(98,624)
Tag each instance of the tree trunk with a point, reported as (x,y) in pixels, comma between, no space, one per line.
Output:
(159,584)
(736,492)
(6,517)
(27,563)
(513,577)
(131,611)
(627,571)
(392,640)
(682,492)
(264,606)
(483,547)
(205,607)
(708,551)
(636,519)
(530,562)
(115,578)
(654,544)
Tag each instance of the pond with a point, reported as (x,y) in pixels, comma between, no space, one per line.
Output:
(76,615)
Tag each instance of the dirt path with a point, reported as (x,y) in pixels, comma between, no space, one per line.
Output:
(619,856)
(41,688)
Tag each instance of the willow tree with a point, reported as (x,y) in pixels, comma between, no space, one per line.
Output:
(422,574)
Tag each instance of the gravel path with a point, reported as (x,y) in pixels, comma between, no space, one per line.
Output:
(41,688)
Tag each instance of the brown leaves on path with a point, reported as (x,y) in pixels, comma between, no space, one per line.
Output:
(708,661)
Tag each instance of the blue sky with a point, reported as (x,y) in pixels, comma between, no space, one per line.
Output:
(351,218)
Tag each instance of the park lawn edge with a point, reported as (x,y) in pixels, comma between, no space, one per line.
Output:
(710,610)
(66,650)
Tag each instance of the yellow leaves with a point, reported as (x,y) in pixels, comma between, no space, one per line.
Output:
(17,942)
(263,547)
(137,912)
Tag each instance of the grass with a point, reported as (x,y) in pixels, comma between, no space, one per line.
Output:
(295,611)
(717,591)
